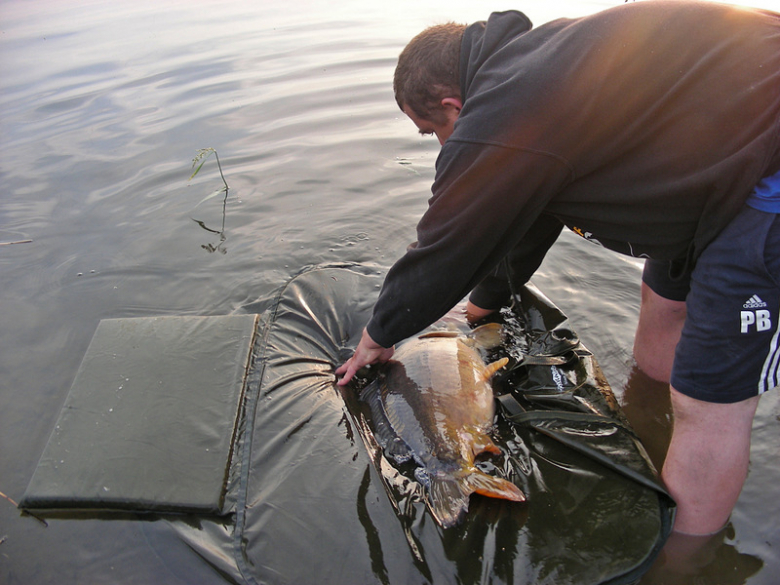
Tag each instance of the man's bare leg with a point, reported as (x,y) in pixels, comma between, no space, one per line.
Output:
(707,461)
(657,334)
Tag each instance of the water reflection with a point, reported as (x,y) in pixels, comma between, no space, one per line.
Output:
(373,540)
(702,559)
(647,405)
(209,247)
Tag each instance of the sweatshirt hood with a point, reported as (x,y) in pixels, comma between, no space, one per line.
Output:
(483,39)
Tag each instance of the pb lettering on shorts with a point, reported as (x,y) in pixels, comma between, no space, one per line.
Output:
(755,316)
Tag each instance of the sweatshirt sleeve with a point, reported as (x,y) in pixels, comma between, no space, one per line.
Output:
(485,200)
(523,260)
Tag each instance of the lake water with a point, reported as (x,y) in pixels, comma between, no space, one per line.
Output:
(102,109)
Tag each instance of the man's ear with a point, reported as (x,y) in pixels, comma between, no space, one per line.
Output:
(452,103)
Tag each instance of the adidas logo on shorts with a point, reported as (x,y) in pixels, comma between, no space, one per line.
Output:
(754,302)
(756,316)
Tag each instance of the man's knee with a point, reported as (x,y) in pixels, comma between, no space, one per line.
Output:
(660,323)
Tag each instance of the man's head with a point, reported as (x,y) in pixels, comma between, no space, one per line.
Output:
(427,79)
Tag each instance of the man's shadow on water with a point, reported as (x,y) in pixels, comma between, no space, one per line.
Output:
(685,559)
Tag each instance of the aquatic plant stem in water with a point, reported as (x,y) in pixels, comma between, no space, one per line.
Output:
(201,157)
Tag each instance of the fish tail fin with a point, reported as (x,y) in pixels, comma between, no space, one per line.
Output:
(449,494)
(448,499)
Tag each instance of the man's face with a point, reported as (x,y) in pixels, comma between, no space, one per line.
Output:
(443,127)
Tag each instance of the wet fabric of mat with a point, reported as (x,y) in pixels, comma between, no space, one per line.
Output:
(150,419)
(317,502)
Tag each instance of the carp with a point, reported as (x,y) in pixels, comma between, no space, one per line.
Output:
(433,403)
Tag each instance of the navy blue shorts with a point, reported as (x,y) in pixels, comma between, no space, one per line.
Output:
(729,351)
(665,279)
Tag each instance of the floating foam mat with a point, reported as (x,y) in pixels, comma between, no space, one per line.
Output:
(150,419)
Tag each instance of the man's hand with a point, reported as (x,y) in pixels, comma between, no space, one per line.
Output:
(367,352)
(475,313)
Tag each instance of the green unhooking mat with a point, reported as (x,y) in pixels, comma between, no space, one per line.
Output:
(307,496)
(150,419)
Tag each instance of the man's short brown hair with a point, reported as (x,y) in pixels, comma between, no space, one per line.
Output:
(428,70)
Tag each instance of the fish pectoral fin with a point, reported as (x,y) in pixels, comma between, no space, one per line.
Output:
(474,442)
(486,447)
(488,336)
(491,369)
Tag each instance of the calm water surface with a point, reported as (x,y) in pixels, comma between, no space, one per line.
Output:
(104,105)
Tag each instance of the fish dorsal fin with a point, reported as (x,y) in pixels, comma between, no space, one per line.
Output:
(433,334)
(486,336)
(491,369)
